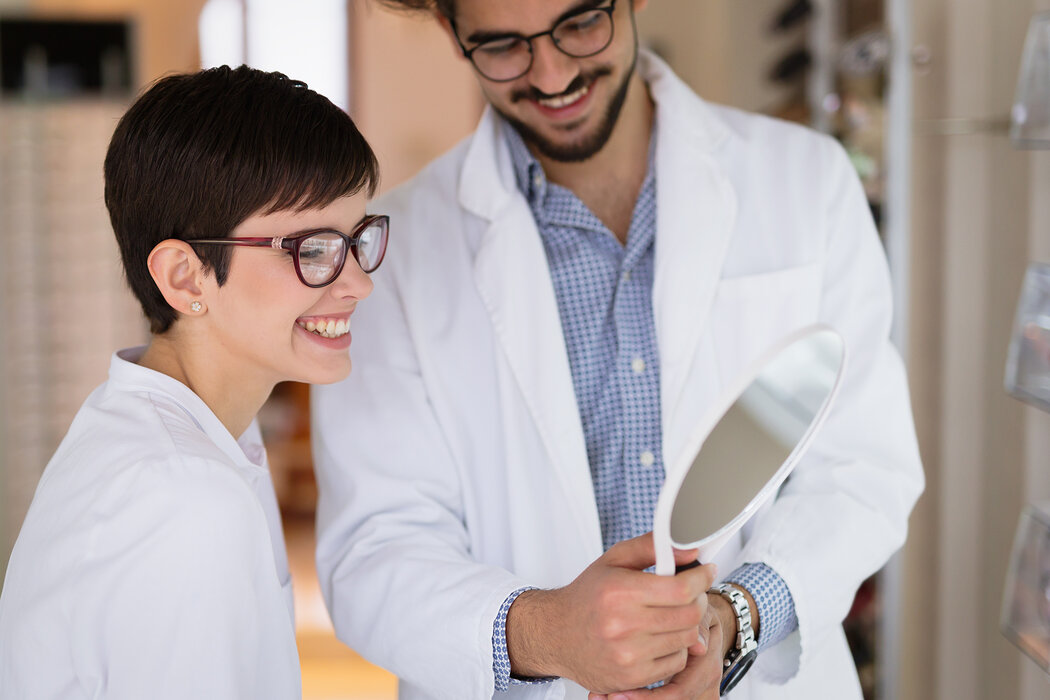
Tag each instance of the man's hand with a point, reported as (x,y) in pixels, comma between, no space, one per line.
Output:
(615,626)
(702,675)
(700,678)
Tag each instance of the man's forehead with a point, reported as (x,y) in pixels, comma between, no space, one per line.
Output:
(515,16)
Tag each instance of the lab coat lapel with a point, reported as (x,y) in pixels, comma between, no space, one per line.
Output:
(696,213)
(512,276)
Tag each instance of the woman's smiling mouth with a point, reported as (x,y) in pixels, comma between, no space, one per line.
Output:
(326,327)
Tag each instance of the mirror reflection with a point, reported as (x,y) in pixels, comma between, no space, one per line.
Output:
(756,436)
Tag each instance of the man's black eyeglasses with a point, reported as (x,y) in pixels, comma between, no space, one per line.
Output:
(507,57)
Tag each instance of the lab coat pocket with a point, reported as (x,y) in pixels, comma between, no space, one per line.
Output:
(751,312)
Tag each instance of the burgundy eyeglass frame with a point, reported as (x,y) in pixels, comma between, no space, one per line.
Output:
(294,242)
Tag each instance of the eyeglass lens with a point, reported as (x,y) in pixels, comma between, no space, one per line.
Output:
(321,255)
(371,245)
(581,35)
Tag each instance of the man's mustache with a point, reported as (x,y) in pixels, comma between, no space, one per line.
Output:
(578,82)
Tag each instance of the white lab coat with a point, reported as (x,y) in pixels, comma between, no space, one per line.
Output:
(452,463)
(151,563)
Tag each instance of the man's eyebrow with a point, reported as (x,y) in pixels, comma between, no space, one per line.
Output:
(482,35)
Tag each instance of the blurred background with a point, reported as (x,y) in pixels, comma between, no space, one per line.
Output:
(921,94)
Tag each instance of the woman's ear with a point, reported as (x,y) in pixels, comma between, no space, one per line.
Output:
(179,275)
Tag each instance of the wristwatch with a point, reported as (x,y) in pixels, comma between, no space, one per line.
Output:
(745,651)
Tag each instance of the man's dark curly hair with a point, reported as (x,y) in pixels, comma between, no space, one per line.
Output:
(445,7)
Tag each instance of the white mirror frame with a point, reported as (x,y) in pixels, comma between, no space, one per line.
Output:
(710,545)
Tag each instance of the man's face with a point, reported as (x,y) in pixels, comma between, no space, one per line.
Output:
(564,106)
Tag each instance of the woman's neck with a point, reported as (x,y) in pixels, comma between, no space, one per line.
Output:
(233,396)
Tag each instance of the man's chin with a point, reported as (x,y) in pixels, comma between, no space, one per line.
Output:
(564,147)
(570,151)
(575,148)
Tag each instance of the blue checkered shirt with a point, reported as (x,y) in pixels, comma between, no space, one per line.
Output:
(604,293)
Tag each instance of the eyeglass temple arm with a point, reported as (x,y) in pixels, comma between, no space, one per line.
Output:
(274,241)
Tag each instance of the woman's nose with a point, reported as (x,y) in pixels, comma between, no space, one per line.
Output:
(352,282)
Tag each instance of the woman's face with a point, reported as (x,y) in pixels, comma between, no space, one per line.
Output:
(262,316)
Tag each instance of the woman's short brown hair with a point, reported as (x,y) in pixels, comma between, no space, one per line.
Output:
(199,153)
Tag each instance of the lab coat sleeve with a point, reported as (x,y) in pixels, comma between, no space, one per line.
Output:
(393,552)
(178,597)
(845,509)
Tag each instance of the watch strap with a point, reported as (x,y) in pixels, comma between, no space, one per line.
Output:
(745,648)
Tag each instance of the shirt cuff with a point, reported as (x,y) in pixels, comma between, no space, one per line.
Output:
(500,657)
(776,607)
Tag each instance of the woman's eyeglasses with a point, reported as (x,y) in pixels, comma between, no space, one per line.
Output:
(320,255)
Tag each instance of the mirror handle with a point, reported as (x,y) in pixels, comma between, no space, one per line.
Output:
(685,567)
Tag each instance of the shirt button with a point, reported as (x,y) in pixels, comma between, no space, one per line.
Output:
(638,365)
(626,276)
(537,180)
(647,459)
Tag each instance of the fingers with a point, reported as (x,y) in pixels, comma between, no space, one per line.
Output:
(638,553)
(629,628)
(698,679)
(680,589)
(673,642)
(671,665)
(695,677)
(678,619)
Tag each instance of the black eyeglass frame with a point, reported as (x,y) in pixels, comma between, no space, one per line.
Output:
(294,242)
(469,53)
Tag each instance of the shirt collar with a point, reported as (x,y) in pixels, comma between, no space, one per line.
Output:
(125,374)
(529,175)
(532,181)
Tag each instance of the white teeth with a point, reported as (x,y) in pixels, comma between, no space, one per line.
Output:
(563,100)
(327,328)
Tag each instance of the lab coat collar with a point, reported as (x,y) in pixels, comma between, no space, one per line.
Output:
(696,208)
(487,182)
(125,374)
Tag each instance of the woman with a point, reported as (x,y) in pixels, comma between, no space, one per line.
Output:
(151,563)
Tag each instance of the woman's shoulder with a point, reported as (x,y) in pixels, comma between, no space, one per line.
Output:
(122,501)
(118,429)
(139,460)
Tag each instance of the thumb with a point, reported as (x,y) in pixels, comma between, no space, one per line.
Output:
(635,553)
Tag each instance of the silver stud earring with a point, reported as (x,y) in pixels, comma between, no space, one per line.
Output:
(195,306)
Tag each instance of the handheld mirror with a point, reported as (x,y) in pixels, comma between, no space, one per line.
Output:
(749,444)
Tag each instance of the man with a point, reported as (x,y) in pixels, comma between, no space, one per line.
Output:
(569,291)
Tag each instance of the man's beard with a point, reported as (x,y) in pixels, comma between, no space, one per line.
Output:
(582,150)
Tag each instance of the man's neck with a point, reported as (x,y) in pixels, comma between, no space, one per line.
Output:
(609,181)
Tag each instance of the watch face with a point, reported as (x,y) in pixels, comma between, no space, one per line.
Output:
(737,669)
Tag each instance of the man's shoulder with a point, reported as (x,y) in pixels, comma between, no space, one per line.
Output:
(762,145)
(436,183)
(765,131)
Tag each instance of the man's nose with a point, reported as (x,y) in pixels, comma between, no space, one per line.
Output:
(552,71)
